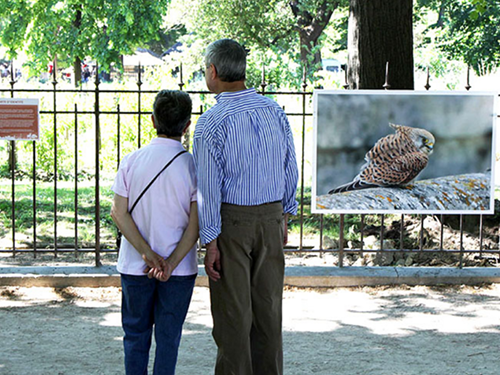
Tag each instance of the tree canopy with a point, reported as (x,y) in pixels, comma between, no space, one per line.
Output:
(465,30)
(293,28)
(288,33)
(77,29)
(285,36)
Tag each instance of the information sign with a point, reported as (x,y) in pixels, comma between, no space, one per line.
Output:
(19,119)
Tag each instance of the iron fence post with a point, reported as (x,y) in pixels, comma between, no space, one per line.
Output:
(118,137)
(321,225)
(421,240)
(97,172)
(480,235)
(460,265)
(76,180)
(186,136)
(13,169)
(13,192)
(139,86)
(54,84)
(382,230)
(341,241)
(34,199)
(304,87)
(362,229)
(401,232)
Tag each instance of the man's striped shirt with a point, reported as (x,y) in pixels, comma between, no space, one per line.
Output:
(245,155)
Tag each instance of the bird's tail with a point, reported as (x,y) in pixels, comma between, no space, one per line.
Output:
(353,185)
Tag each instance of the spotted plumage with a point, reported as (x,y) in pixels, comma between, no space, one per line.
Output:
(395,160)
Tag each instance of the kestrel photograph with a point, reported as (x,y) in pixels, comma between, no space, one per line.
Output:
(403,152)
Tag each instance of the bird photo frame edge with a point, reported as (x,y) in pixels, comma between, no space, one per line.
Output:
(377,152)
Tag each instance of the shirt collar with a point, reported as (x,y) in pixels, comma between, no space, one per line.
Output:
(165,141)
(235,94)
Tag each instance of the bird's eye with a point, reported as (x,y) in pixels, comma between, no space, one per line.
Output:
(427,143)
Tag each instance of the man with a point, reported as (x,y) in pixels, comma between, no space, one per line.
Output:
(247,179)
(157,182)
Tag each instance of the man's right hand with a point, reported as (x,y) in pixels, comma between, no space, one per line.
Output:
(212,261)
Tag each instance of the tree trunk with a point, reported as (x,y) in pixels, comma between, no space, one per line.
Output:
(12,158)
(310,28)
(310,56)
(380,32)
(77,64)
(77,68)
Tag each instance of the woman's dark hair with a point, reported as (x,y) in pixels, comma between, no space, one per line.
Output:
(171,111)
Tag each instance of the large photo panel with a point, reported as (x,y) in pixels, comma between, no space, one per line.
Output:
(403,152)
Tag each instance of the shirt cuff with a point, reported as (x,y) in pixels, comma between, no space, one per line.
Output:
(121,192)
(291,208)
(208,234)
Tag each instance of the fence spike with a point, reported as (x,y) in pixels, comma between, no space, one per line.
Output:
(346,81)
(427,85)
(263,83)
(386,85)
(304,79)
(467,85)
(181,82)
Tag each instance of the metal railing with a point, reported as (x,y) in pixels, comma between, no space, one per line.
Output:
(299,119)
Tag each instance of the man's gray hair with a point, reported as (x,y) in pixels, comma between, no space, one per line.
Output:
(229,59)
(171,111)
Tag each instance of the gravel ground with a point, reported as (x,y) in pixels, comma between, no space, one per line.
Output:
(383,330)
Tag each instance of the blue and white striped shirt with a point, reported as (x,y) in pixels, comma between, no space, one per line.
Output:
(244,154)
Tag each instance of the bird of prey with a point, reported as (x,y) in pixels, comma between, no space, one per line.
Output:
(395,160)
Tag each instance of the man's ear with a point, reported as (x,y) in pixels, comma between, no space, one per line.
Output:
(153,121)
(186,127)
(213,71)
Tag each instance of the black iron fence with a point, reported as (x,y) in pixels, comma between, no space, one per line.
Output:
(67,177)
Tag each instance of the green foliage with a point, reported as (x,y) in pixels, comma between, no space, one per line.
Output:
(98,29)
(270,30)
(63,135)
(465,30)
(474,35)
(270,23)
(167,38)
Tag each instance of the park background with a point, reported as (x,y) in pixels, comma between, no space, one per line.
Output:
(381,331)
(49,48)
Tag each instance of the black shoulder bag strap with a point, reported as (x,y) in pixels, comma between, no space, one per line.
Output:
(119,239)
(154,179)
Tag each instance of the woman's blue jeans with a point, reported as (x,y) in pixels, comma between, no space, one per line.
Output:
(148,303)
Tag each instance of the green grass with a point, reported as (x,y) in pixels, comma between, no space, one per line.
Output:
(86,216)
(65,213)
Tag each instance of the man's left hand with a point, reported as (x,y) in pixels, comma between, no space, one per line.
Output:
(285,230)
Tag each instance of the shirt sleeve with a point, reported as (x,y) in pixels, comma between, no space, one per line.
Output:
(290,205)
(120,186)
(193,179)
(209,188)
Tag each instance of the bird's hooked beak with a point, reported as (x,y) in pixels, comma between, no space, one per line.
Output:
(428,145)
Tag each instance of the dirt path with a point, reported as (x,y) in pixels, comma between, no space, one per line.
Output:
(390,331)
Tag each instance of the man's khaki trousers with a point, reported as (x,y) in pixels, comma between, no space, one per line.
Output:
(247,300)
